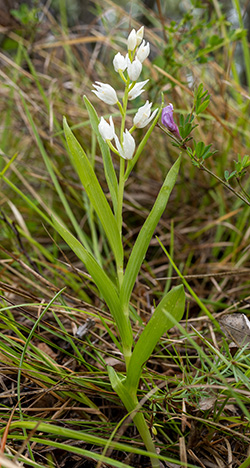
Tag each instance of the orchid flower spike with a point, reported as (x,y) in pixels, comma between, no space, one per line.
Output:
(105,92)
(127,149)
(143,117)
(106,130)
(167,120)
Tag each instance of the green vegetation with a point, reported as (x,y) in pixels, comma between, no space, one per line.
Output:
(118,272)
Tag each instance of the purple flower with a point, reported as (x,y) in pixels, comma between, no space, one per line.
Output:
(168,120)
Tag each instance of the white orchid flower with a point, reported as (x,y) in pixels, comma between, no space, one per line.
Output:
(143,117)
(120,62)
(143,51)
(106,130)
(105,92)
(137,90)
(127,149)
(134,69)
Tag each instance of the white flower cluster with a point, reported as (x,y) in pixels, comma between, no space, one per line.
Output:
(138,51)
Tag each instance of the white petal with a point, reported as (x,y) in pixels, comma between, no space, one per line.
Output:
(128,145)
(126,150)
(134,69)
(120,62)
(105,92)
(132,40)
(139,35)
(143,51)
(106,130)
(143,117)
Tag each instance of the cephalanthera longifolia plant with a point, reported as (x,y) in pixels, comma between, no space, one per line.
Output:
(117,291)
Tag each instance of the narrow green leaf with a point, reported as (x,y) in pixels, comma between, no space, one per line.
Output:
(71,434)
(95,193)
(107,161)
(101,279)
(174,304)
(202,106)
(119,387)
(143,240)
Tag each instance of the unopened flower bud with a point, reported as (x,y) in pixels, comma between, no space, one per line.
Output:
(143,117)
(139,35)
(143,51)
(132,40)
(106,130)
(134,69)
(120,62)
(168,120)
(105,92)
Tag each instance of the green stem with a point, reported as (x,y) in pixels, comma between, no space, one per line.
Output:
(242,189)
(130,401)
(119,267)
(120,195)
(121,179)
(133,406)
(204,168)
(143,430)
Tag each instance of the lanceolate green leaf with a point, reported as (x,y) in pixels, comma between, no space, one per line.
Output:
(95,193)
(174,304)
(107,161)
(143,240)
(102,281)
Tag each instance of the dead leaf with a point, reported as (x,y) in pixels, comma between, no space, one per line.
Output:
(46,349)
(237,328)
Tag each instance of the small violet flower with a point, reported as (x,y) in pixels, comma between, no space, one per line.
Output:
(136,90)
(126,150)
(106,130)
(168,120)
(105,92)
(143,51)
(120,62)
(134,69)
(143,117)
